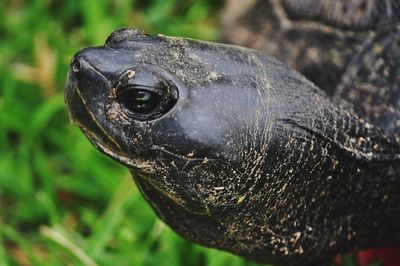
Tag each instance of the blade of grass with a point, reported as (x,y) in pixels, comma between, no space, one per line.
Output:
(3,255)
(49,206)
(44,113)
(60,238)
(104,227)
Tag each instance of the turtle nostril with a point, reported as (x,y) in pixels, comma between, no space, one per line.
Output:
(76,64)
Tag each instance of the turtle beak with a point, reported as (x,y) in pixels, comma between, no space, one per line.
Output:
(80,112)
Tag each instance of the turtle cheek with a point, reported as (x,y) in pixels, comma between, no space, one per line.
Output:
(136,140)
(180,186)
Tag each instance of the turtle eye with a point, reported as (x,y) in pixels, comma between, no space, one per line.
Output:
(139,100)
(144,95)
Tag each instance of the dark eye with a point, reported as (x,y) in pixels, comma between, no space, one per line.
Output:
(139,100)
(143,94)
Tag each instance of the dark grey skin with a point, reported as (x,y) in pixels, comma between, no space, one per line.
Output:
(322,38)
(235,150)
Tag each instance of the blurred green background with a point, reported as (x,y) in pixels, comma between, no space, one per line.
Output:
(61,201)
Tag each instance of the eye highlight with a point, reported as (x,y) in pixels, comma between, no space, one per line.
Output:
(139,100)
(145,95)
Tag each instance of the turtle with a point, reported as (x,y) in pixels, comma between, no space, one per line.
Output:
(236,150)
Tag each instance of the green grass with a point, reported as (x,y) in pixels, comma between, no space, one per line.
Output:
(61,201)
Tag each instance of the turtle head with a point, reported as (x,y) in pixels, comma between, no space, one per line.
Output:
(112,96)
(203,124)
(165,107)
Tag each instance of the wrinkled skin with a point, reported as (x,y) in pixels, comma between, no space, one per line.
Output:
(243,153)
(319,38)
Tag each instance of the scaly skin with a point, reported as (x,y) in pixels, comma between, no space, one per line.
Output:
(251,158)
(316,37)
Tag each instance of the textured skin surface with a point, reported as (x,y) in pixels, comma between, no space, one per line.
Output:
(316,37)
(355,15)
(349,48)
(253,158)
(375,73)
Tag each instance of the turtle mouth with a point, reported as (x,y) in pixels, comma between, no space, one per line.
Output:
(81,115)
